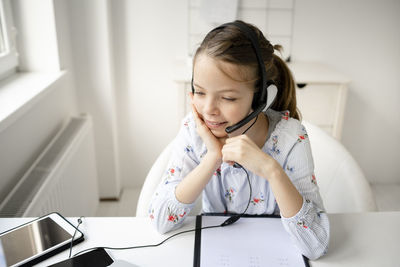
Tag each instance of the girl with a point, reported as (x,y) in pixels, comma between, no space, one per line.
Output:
(275,149)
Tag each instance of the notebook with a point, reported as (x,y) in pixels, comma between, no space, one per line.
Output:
(251,241)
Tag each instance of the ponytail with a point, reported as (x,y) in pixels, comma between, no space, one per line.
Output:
(286,96)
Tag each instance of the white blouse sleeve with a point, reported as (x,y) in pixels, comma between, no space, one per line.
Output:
(309,228)
(165,211)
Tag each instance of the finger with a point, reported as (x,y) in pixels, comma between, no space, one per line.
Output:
(195,113)
(231,157)
(227,156)
(190,94)
(236,139)
(229,160)
(231,140)
(222,140)
(200,124)
(197,119)
(241,140)
(229,150)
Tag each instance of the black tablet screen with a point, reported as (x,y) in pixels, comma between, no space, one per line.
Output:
(31,239)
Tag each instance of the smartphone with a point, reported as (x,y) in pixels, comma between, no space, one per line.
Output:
(98,257)
(37,240)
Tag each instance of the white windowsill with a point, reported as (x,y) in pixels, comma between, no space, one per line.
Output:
(21,91)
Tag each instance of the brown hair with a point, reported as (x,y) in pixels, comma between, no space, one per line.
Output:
(230,44)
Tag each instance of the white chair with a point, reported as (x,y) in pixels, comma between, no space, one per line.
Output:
(342,184)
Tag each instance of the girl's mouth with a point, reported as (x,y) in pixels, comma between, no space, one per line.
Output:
(215,125)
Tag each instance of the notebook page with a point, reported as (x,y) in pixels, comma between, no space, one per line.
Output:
(250,242)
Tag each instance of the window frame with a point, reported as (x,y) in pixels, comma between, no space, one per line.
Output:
(8,60)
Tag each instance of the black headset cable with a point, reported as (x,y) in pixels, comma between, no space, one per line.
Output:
(232,219)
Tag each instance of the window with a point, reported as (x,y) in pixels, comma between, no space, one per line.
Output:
(8,54)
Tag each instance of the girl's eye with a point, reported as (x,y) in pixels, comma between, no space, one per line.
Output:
(199,93)
(229,99)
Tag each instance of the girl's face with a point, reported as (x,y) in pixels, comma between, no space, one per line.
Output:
(220,100)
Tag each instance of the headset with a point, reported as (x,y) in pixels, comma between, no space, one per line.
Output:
(262,99)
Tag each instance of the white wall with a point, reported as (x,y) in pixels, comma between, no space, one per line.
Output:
(23,140)
(149,37)
(74,36)
(128,50)
(361,39)
(91,53)
(123,55)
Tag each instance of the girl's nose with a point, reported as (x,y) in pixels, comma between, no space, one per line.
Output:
(210,106)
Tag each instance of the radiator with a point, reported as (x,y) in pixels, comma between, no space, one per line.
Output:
(62,179)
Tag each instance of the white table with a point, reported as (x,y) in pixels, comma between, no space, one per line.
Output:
(358,239)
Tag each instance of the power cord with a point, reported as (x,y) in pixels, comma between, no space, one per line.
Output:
(72,240)
(144,246)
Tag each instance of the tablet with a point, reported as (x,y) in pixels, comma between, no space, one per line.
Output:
(98,257)
(37,240)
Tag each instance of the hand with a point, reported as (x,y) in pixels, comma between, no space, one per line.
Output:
(213,144)
(243,150)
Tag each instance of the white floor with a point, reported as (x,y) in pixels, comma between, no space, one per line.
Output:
(387,198)
(126,206)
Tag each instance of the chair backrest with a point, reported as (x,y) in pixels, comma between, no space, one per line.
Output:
(152,180)
(342,185)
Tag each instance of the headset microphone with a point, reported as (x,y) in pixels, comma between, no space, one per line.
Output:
(263,99)
(272,92)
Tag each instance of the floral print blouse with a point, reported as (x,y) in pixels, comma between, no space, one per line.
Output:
(228,190)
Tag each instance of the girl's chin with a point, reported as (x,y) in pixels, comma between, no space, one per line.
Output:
(219,133)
